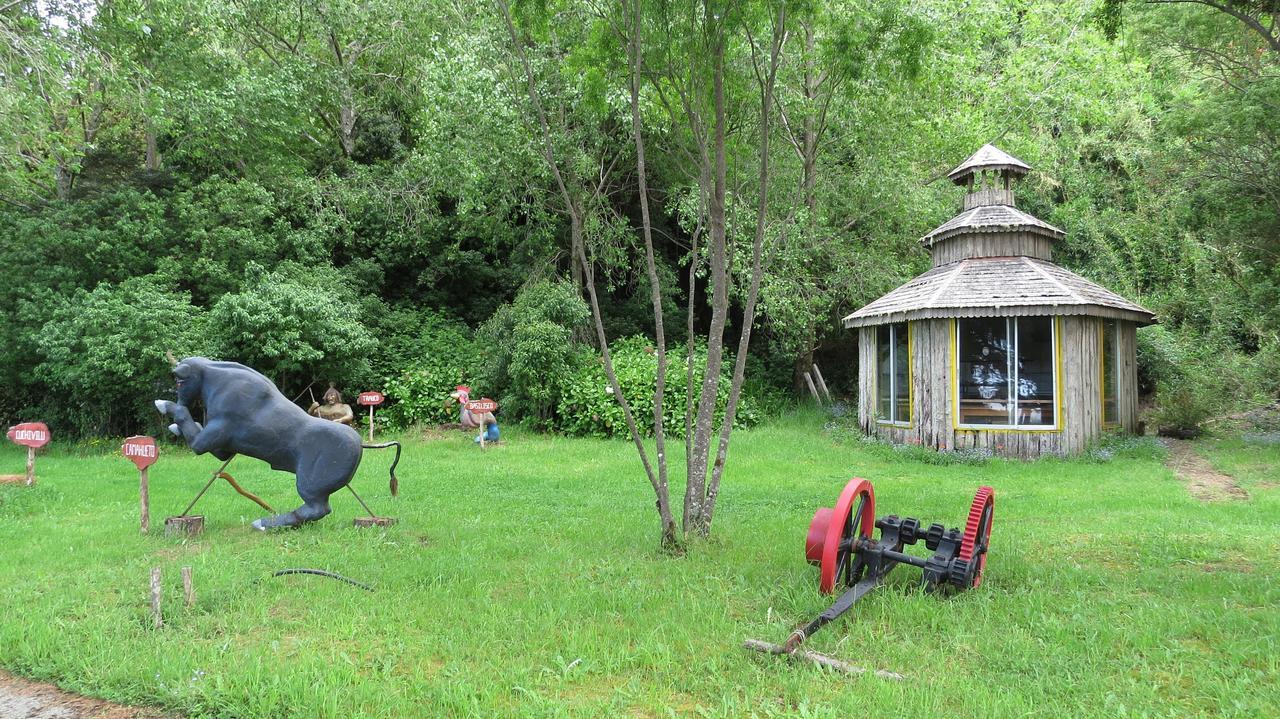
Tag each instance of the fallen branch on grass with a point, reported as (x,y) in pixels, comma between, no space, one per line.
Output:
(819,659)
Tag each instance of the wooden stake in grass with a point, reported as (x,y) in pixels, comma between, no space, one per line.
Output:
(188,587)
(808,379)
(822,384)
(156,620)
(31,466)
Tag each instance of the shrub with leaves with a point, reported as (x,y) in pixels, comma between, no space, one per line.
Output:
(443,359)
(294,325)
(530,349)
(588,407)
(103,354)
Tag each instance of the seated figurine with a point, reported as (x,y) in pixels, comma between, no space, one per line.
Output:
(333,408)
(484,421)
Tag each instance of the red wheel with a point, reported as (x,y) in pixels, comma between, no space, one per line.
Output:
(817,535)
(977,532)
(839,562)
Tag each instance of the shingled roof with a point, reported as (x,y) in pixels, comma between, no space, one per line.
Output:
(988,157)
(998,287)
(991,218)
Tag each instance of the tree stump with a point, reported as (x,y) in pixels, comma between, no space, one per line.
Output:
(190,525)
(374,521)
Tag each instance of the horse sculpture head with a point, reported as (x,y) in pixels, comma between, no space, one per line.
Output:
(188,375)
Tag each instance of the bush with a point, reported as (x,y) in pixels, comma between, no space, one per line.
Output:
(587,406)
(293,325)
(530,348)
(103,355)
(444,359)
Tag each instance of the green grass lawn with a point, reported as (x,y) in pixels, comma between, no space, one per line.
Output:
(526,581)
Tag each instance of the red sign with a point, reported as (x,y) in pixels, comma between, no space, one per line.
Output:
(29,434)
(482,405)
(142,451)
(370,398)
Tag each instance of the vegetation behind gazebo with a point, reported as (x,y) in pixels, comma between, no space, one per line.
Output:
(996,346)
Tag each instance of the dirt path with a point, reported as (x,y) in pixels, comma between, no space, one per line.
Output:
(1203,481)
(22,699)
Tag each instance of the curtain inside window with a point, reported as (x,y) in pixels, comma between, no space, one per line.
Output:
(901,376)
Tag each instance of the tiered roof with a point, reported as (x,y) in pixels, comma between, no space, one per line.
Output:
(997,287)
(988,157)
(1000,285)
(991,218)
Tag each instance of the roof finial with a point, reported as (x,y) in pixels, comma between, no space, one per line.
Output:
(989,157)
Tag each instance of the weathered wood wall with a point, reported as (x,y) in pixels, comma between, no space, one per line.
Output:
(992,244)
(1079,386)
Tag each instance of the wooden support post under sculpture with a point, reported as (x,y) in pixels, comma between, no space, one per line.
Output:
(248,415)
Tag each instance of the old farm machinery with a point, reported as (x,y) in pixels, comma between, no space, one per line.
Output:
(840,543)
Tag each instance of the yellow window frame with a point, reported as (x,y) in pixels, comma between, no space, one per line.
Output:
(1058,400)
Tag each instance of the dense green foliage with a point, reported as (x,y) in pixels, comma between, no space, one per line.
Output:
(1155,607)
(587,406)
(310,192)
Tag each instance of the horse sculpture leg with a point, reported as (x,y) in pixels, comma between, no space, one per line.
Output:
(183,424)
(318,478)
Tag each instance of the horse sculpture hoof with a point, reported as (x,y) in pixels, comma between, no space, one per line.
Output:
(174,429)
(162,406)
(257,524)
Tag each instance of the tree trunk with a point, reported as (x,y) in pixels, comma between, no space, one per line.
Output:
(669,537)
(153,159)
(757,254)
(655,290)
(695,486)
(808,187)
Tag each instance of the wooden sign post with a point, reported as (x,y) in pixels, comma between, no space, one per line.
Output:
(478,409)
(33,436)
(370,400)
(143,452)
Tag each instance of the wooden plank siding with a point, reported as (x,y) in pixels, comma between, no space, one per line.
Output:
(992,244)
(1127,376)
(1079,388)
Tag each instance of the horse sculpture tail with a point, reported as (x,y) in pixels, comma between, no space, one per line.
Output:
(395,483)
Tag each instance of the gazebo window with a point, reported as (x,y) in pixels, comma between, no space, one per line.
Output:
(1006,372)
(893,374)
(1110,403)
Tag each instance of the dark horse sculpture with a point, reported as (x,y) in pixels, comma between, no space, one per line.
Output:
(248,415)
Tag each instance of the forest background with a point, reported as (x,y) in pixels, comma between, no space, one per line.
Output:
(359,193)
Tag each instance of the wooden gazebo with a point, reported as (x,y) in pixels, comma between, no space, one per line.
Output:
(996,346)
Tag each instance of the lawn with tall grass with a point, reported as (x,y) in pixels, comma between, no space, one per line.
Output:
(526,580)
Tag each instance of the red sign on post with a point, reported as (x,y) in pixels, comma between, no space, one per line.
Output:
(142,451)
(370,399)
(482,405)
(29,434)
